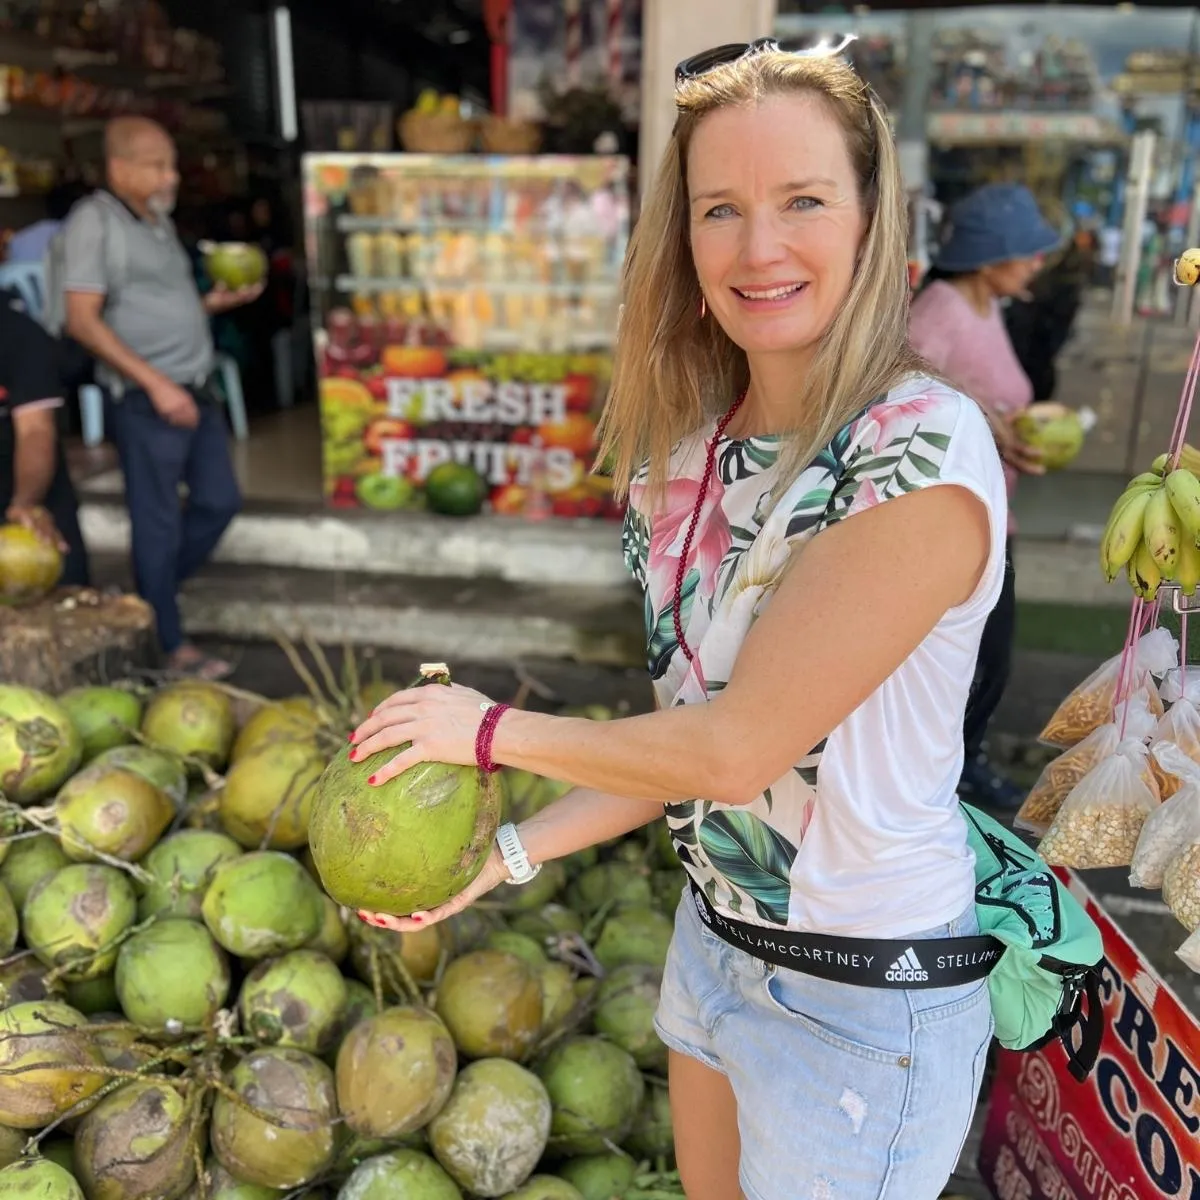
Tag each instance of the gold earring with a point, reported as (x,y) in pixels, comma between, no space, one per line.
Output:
(703,306)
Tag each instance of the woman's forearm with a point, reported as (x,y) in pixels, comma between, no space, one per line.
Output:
(580,819)
(678,754)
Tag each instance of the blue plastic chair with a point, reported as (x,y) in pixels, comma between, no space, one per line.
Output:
(28,281)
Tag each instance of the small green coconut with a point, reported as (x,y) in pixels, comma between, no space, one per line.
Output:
(626,1002)
(400,1175)
(159,767)
(74,917)
(492,1004)
(172,976)
(29,860)
(596,1090)
(104,717)
(193,720)
(183,866)
(295,1000)
(38,1179)
(600,1176)
(110,811)
(268,795)
(39,745)
(262,904)
(634,935)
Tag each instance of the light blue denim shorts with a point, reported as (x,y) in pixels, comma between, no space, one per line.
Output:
(843,1092)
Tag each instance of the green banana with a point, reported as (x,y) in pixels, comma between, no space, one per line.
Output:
(1144,575)
(1123,531)
(1162,531)
(1187,570)
(1184,490)
(1189,460)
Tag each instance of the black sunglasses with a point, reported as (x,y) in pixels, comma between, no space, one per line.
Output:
(804,47)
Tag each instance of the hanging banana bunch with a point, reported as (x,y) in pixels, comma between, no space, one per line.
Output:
(1153,531)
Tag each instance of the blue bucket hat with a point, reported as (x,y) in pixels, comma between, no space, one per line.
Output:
(997,223)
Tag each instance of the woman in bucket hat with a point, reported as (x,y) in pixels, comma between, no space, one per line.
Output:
(993,247)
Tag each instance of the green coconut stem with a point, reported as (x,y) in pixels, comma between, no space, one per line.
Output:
(67,968)
(297,664)
(376,973)
(37,818)
(351,681)
(326,670)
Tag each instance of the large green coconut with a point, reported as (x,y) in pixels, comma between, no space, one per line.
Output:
(30,860)
(159,767)
(529,793)
(634,935)
(38,1179)
(76,915)
(394,1072)
(546,1187)
(30,566)
(268,796)
(626,1002)
(223,1186)
(45,1053)
(193,720)
(409,844)
(135,1143)
(493,1130)
(10,926)
(610,884)
(652,1136)
(183,866)
(492,1004)
(600,1176)
(596,1090)
(400,1175)
(39,745)
(332,940)
(171,975)
(292,720)
(104,716)
(295,1000)
(234,265)
(108,810)
(262,904)
(419,952)
(298,1143)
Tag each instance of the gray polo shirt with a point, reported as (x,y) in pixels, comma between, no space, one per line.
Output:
(151,300)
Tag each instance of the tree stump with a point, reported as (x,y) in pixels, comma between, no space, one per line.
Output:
(75,637)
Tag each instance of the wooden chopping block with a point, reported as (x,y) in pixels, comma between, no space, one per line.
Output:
(75,637)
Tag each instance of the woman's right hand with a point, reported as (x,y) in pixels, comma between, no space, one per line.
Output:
(493,874)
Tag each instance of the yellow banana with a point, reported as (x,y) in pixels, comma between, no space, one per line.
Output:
(1187,569)
(1147,479)
(1184,490)
(1189,460)
(1144,575)
(1123,531)
(1162,531)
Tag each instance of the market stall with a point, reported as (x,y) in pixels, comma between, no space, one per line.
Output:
(464,308)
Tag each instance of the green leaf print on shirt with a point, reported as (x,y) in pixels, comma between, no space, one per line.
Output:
(753,857)
(663,643)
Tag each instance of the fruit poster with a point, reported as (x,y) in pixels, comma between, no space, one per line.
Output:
(1129,1131)
(467,309)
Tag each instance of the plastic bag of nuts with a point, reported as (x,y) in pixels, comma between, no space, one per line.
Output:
(1091,703)
(1099,823)
(1181,887)
(1061,774)
(1174,823)
(1179,728)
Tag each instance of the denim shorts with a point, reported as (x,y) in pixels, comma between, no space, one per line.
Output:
(843,1092)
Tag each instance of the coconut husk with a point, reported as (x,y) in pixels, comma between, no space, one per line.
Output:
(75,637)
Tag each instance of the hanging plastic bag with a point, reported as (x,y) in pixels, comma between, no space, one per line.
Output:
(1181,887)
(1190,952)
(1174,823)
(1181,683)
(1099,823)
(1091,703)
(1061,774)
(1175,749)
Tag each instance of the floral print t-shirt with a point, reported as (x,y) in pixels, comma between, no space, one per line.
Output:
(864,836)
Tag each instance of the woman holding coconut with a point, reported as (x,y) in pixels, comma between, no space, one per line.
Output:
(995,246)
(819,528)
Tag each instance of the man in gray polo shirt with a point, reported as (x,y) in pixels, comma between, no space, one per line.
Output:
(131,299)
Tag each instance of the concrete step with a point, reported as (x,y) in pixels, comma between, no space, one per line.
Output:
(481,619)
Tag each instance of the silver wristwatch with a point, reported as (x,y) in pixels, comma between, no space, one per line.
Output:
(520,869)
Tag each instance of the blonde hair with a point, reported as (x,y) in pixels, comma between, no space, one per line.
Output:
(672,371)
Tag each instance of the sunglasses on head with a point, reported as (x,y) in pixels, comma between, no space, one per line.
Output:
(803,47)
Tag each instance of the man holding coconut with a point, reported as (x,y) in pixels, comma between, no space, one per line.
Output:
(131,299)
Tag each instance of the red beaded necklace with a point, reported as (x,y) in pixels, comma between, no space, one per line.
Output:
(681,571)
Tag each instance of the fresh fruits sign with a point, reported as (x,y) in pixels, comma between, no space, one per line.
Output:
(408,425)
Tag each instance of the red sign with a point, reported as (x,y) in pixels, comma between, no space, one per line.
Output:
(1130,1131)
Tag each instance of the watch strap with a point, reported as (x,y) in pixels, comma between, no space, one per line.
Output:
(520,869)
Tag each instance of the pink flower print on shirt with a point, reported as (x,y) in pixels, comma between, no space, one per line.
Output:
(669,528)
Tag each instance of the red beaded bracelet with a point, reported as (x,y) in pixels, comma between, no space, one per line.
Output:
(483,739)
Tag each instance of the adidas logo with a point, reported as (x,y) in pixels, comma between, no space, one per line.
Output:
(907,969)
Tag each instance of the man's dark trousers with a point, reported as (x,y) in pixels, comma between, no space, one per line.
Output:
(173,539)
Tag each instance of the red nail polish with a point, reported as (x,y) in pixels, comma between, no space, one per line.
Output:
(371,778)
(351,739)
(353,756)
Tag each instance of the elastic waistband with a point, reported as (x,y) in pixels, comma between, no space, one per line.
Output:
(865,962)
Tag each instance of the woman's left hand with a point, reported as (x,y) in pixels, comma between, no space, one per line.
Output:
(439,721)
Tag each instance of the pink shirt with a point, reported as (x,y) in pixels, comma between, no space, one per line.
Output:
(974,353)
